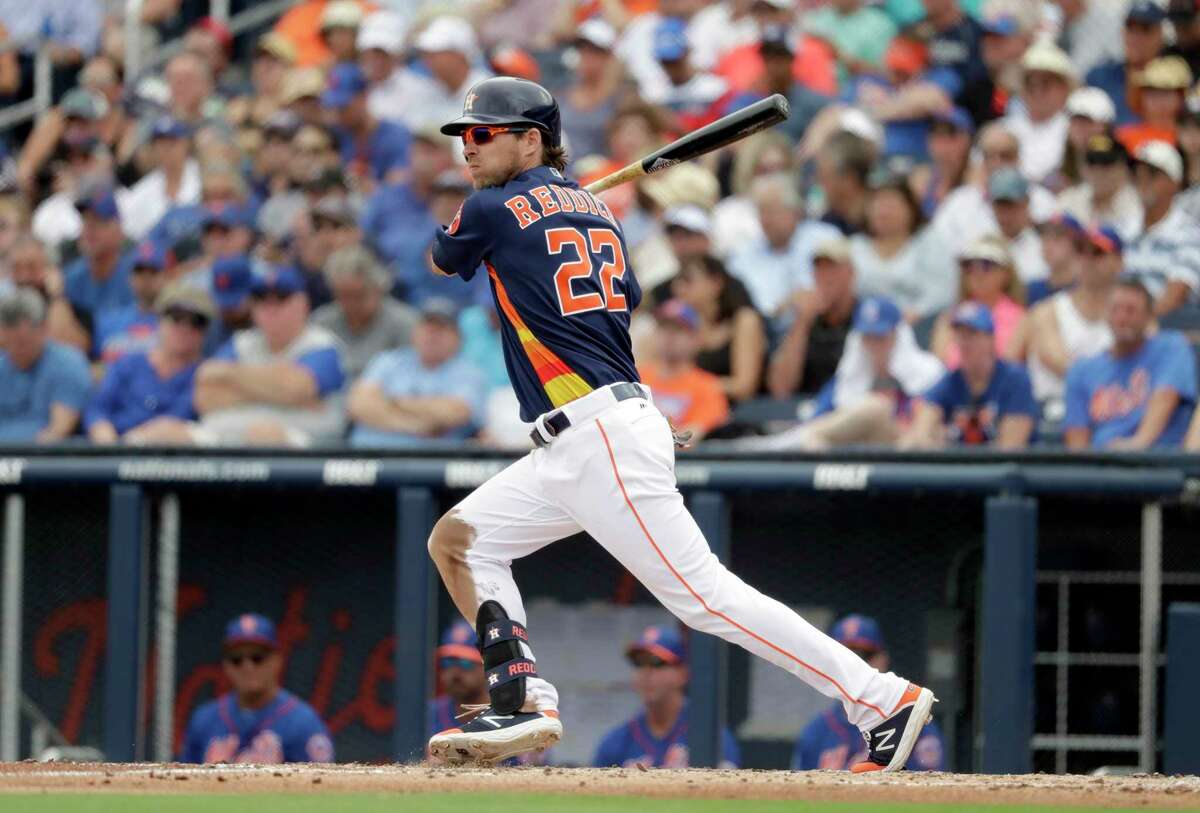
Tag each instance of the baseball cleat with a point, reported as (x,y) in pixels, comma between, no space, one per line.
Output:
(491,737)
(890,743)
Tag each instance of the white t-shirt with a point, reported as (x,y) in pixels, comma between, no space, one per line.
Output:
(143,204)
(1042,143)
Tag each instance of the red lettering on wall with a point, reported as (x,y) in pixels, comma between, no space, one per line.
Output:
(88,616)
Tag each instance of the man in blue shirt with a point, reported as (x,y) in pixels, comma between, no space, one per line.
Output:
(956,43)
(986,401)
(146,397)
(657,737)
(1141,393)
(418,394)
(131,329)
(829,742)
(98,281)
(258,721)
(1144,40)
(373,150)
(43,384)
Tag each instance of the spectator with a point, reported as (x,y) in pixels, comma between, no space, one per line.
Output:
(735,218)
(686,235)
(66,323)
(231,285)
(373,150)
(460,679)
(777,50)
(334,226)
(416,395)
(635,48)
(1091,32)
(98,281)
(733,342)
(258,721)
(1189,147)
(339,30)
(858,33)
(895,257)
(986,401)
(829,742)
(79,162)
(869,398)
(589,102)
(1106,194)
(70,30)
(380,55)
(131,329)
(301,25)
(988,278)
(272,59)
(174,181)
(145,397)
(1140,393)
(448,50)
(1072,324)
(1007,34)
(73,125)
(277,384)
(211,40)
(1166,254)
(43,384)
(809,354)
(1040,122)
(270,176)
(657,737)
(1009,193)
(955,43)
(1091,114)
(1143,41)
(1157,97)
(694,98)
(843,165)
(301,94)
(691,398)
(1061,238)
(777,265)
(1184,17)
(949,145)
(365,319)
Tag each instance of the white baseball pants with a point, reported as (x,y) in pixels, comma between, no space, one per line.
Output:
(611,474)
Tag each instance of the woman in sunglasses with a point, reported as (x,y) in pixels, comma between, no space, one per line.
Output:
(988,276)
(146,398)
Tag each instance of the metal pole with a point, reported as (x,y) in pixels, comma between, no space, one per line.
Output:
(123,656)
(414,620)
(1151,613)
(165,628)
(219,10)
(707,655)
(10,658)
(133,40)
(43,78)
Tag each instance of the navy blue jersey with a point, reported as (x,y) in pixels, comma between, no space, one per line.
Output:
(556,260)
(285,730)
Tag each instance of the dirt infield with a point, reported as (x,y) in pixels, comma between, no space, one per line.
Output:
(939,788)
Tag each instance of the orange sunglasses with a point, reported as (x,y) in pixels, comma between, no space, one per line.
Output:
(484,135)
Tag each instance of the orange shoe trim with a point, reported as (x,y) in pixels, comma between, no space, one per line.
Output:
(865,767)
(550,713)
(649,538)
(449,731)
(908,698)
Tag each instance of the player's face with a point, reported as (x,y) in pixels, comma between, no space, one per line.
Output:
(494,163)
(461,679)
(252,669)
(1129,316)
(654,680)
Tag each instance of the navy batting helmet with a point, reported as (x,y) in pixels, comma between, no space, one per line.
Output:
(508,100)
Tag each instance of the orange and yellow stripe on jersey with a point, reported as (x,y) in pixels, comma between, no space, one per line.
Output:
(561,383)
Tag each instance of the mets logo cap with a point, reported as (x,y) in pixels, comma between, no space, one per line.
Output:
(251,628)
(662,641)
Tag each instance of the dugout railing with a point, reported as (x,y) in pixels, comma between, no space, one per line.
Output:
(974,561)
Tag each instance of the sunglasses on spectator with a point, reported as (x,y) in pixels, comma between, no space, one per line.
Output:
(979,265)
(457,663)
(649,662)
(146,269)
(485,135)
(197,321)
(272,297)
(1001,155)
(1090,250)
(255,658)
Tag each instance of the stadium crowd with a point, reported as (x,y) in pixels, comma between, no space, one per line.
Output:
(978,226)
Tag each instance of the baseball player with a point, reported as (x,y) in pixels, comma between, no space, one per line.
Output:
(657,737)
(258,721)
(556,261)
(829,742)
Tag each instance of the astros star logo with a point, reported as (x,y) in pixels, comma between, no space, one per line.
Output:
(493,680)
(493,634)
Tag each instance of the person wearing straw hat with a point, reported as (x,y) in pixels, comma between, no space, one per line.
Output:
(1158,97)
(1047,79)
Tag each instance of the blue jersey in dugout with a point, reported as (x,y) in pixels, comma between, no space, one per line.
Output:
(285,730)
(830,743)
(556,260)
(632,743)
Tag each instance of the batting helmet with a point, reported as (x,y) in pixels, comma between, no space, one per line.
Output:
(508,100)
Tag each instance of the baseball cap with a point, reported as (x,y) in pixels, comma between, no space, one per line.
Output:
(301,83)
(448,33)
(232,279)
(459,641)
(1166,73)
(1163,157)
(782,5)
(342,14)
(149,255)
(876,316)
(181,296)
(1065,221)
(250,628)
(670,40)
(974,316)
(596,33)
(1000,25)
(689,217)
(1008,184)
(776,39)
(990,247)
(228,214)
(1145,11)
(957,118)
(678,312)
(906,55)
(79,103)
(284,123)
(1104,149)
(1091,103)
(834,248)
(383,30)
(440,309)
(345,82)
(277,45)
(1105,238)
(859,632)
(283,280)
(100,202)
(662,641)
(1046,57)
(169,127)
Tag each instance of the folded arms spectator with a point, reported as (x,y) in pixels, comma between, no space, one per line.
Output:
(1166,255)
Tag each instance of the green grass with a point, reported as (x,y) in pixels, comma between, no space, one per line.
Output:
(460,803)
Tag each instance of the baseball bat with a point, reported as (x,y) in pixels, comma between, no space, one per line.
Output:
(737,125)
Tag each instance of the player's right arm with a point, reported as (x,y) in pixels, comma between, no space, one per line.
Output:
(460,246)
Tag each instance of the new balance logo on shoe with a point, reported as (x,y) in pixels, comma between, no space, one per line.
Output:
(493,719)
(884,736)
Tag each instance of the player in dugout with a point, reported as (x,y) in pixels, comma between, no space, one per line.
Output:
(829,742)
(258,721)
(657,736)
